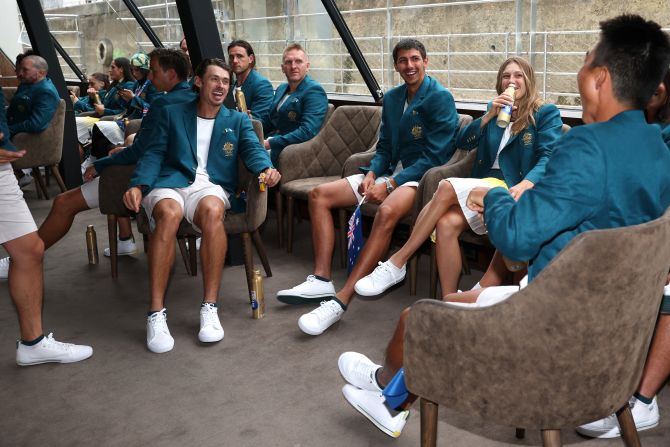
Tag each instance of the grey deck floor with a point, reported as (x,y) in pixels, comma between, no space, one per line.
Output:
(265,384)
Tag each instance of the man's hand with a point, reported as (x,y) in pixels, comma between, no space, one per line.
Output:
(376,193)
(115,150)
(272,176)
(475,199)
(99,109)
(10,156)
(520,188)
(367,183)
(90,174)
(132,199)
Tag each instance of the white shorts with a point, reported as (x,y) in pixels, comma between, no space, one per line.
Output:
(356,180)
(15,217)
(188,198)
(90,192)
(462,187)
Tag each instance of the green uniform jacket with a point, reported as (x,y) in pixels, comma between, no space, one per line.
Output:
(258,94)
(139,105)
(525,155)
(181,93)
(422,136)
(113,103)
(299,118)
(601,175)
(169,160)
(5,142)
(84,102)
(32,107)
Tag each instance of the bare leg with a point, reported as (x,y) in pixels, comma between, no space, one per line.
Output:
(209,218)
(26,282)
(65,206)
(657,367)
(396,206)
(167,214)
(448,253)
(443,199)
(322,200)
(125,229)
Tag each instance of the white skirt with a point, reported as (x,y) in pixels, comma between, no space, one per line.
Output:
(84,126)
(112,131)
(462,187)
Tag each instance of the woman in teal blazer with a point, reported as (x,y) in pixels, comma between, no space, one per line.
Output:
(516,155)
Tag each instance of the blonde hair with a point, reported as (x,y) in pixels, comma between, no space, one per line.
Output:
(531,101)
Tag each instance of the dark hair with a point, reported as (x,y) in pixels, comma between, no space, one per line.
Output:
(20,56)
(124,63)
(201,69)
(408,44)
(636,52)
(172,59)
(246,45)
(101,77)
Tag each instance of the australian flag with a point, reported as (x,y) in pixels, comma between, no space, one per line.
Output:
(354,238)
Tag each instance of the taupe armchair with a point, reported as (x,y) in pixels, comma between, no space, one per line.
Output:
(43,149)
(567,350)
(351,129)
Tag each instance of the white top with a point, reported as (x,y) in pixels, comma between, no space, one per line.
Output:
(282,101)
(503,142)
(204,136)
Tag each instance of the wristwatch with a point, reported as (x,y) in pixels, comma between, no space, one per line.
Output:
(389,186)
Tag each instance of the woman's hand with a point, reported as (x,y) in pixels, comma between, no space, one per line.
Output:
(475,199)
(99,109)
(520,188)
(497,103)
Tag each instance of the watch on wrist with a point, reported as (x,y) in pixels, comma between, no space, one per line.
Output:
(389,186)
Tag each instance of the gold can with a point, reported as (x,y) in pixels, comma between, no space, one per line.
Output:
(261,182)
(96,99)
(91,245)
(505,113)
(257,296)
(240,100)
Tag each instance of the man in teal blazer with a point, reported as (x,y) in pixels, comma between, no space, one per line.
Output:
(36,99)
(299,105)
(257,89)
(418,131)
(609,173)
(169,69)
(189,169)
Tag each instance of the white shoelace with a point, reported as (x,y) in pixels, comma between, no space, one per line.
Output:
(50,343)
(210,315)
(382,271)
(158,322)
(327,309)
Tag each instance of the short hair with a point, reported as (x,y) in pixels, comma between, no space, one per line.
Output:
(637,53)
(201,69)
(246,45)
(408,44)
(38,62)
(172,59)
(20,56)
(291,47)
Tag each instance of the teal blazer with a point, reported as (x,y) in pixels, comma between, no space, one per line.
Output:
(181,93)
(32,107)
(598,177)
(5,142)
(258,94)
(525,155)
(665,133)
(423,136)
(113,103)
(139,105)
(299,118)
(169,160)
(84,102)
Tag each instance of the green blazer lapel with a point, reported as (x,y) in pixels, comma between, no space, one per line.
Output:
(219,130)
(279,94)
(191,126)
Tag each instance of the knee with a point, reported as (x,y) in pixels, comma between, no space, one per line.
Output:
(387,215)
(69,202)
(30,252)
(318,198)
(447,227)
(210,215)
(168,216)
(445,192)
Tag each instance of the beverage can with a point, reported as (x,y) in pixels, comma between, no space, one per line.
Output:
(91,245)
(505,113)
(257,296)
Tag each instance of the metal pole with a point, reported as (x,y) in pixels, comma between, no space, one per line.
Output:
(139,17)
(518,4)
(41,41)
(354,50)
(531,40)
(68,60)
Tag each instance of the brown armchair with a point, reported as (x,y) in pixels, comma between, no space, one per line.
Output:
(43,149)
(304,166)
(531,361)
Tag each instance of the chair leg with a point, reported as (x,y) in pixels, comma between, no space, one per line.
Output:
(59,178)
(551,438)
(248,261)
(279,204)
(342,236)
(112,231)
(413,272)
(520,433)
(627,425)
(193,255)
(145,243)
(433,271)
(39,181)
(290,204)
(428,423)
(184,254)
(260,249)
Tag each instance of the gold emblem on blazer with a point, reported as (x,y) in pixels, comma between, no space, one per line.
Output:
(417,132)
(292,115)
(228,149)
(527,138)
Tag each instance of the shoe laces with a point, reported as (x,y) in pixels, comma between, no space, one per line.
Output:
(158,321)
(209,314)
(381,271)
(327,310)
(51,343)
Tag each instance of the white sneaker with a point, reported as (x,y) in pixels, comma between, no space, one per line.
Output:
(359,371)
(384,276)
(371,405)
(645,417)
(310,291)
(321,318)
(50,350)
(210,326)
(25,180)
(123,248)
(159,339)
(87,163)
(4,268)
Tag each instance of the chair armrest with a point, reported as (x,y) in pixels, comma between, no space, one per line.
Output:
(257,203)
(356,161)
(293,161)
(114,182)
